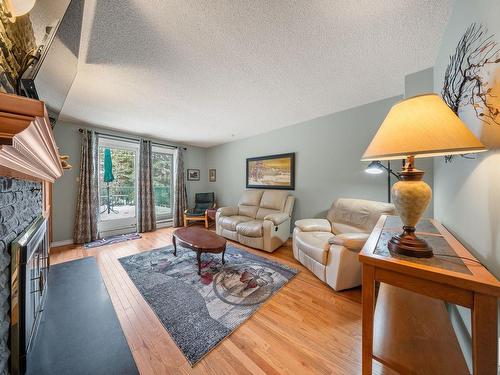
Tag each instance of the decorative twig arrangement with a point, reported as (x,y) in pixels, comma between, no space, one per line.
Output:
(465,82)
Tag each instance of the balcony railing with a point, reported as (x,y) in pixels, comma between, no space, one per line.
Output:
(125,195)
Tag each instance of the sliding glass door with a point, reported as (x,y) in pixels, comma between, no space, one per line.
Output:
(162,162)
(118,162)
(118,184)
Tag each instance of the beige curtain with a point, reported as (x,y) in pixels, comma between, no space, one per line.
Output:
(147,213)
(87,207)
(180,196)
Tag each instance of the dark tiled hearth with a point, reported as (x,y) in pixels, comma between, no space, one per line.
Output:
(79,332)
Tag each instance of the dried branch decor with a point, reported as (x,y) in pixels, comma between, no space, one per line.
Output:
(465,80)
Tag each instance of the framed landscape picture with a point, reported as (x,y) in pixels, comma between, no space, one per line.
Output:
(271,172)
(193,175)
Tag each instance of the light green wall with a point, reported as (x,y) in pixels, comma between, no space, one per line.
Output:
(66,188)
(467,192)
(328,152)
(421,82)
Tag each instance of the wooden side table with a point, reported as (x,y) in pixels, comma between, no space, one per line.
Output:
(211,212)
(406,324)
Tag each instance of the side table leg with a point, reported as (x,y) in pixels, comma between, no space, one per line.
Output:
(175,245)
(198,258)
(484,334)
(368,290)
(223,253)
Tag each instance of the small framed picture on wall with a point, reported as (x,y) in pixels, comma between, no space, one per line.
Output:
(212,175)
(193,175)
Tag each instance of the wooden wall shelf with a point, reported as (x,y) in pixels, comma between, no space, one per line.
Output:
(27,146)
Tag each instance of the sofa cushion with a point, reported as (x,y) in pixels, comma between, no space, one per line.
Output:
(195,212)
(250,228)
(263,212)
(314,225)
(250,211)
(351,241)
(227,211)
(277,218)
(274,200)
(339,228)
(357,215)
(232,235)
(230,222)
(251,198)
(315,245)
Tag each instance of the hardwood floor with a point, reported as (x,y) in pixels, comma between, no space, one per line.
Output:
(306,328)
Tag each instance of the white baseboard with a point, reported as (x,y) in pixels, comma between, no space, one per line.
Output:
(61,243)
(117,232)
(164,224)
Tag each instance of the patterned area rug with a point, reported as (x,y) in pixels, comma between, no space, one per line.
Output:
(200,311)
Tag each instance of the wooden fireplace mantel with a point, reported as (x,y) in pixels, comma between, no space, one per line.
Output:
(27,147)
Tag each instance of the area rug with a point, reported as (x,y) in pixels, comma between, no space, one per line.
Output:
(112,239)
(200,311)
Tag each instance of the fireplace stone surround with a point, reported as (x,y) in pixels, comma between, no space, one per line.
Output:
(20,204)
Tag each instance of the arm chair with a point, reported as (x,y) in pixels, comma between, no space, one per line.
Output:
(260,220)
(329,247)
(203,201)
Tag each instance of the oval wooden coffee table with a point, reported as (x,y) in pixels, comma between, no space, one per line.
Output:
(199,240)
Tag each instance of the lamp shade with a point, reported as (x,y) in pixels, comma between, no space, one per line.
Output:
(19,8)
(421,126)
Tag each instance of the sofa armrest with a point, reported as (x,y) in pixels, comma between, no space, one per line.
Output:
(227,211)
(277,218)
(351,241)
(314,225)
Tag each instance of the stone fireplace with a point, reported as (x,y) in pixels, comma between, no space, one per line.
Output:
(20,205)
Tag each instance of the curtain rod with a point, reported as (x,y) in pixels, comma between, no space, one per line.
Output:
(135,139)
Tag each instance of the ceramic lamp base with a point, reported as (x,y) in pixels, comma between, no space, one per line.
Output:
(411,196)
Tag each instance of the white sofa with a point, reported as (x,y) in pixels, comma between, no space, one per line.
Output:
(261,219)
(329,247)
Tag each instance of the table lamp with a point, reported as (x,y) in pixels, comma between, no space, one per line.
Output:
(420,126)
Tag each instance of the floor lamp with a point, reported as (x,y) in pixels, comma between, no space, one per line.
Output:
(376,167)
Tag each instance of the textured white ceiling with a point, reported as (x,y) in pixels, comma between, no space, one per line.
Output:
(208,72)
